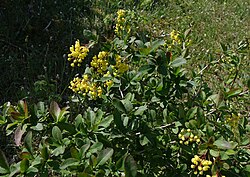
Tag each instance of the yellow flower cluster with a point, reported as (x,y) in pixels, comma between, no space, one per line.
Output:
(120,67)
(200,165)
(100,62)
(175,36)
(186,137)
(120,21)
(78,53)
(214,176)
(85,87)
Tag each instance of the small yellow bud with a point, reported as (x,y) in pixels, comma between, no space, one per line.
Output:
(201,173)
(200,168)
(188,130)
(197,157)
(186,142)
(205,168)
(192,166)
(195,172)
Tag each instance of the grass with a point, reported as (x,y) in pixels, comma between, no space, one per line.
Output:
(28,59)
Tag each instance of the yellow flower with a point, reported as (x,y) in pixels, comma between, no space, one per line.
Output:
(78,53)
(174,35)
(100,62)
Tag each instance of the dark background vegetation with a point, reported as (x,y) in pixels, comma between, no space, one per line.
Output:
(35,36)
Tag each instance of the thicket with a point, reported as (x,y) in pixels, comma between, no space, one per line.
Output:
(125,88)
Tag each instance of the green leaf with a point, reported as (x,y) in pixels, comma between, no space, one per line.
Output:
(91,117)
(156,44)
(4,171)
(226,166)
(23,108)
(104,156)
(38,127)
(144,140)
(191,112)
(68,127)
(59,150)
(147,68)
(233,92)
(78,120)
(97,146)
(118,105)
(74,153)
(230,152)
(32,170)
(214,98)
(45,153)
(84,149)
(223,144)
(178,62)
(28,142)
(128,105)
(140,110)
(223,155)
(247,168)
(130,166)
(57,134)
(24,165)
(3,162)
(214,153)
(62,114)
(15,168)
(106,121)
(69,162)
(118,121)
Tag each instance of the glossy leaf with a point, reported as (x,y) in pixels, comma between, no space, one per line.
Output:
(104,156)
(97,146)
(28,142)
(118,105)
(140,110)
(57,134)
(24,165)
(130,166)
(106,121)
(69,162)
(84,149)
(178,62)
(223,144)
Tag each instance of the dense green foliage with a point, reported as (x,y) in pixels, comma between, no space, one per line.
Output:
(147,88)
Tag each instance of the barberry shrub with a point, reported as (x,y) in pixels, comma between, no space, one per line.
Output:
(134,112)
